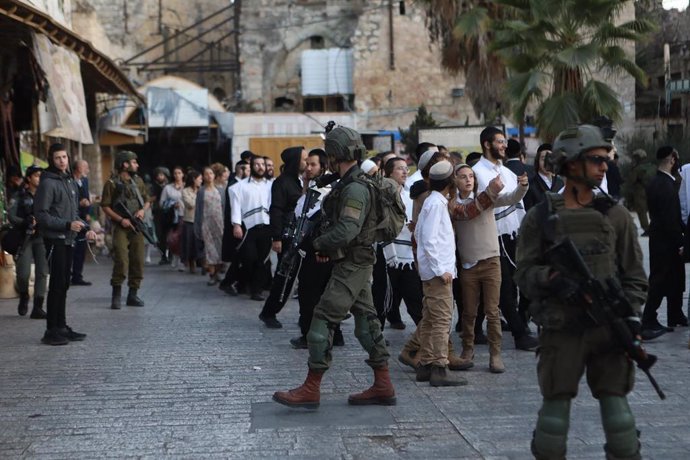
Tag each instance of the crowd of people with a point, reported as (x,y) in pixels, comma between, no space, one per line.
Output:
(476,238)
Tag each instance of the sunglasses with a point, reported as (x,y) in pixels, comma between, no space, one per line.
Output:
(597,159)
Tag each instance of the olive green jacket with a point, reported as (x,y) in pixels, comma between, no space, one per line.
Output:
(610,248)
(346,210)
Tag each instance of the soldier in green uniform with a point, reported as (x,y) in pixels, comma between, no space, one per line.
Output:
(128,245)
(637,178)
(347,241)
(570,342)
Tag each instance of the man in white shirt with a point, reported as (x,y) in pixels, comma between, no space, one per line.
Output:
(508,220)
(250,201)
(436,262)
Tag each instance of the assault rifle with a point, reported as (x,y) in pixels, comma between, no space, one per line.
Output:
(606,305)
(28,233)
(299,229)
(137,225)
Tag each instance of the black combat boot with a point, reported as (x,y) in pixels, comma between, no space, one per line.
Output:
(133,300)
(23,306)
(38,312)
(116,302)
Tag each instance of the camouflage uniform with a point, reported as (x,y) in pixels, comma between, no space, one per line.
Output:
(571,343)
(128,246)
(349,244)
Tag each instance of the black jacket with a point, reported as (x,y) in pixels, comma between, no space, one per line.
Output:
(518,167)
(538,189)
(285,192)
(666,224)
(56,205)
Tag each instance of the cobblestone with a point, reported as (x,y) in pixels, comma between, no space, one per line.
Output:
(185,377)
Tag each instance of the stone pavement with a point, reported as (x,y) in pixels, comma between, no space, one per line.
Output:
(191,375)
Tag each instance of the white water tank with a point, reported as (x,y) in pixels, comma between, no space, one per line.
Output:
(340,68)
(327,72)
(314,72)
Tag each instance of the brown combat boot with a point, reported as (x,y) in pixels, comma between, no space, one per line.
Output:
(381,392)
(462,362)
(496,365)
(308,395)
(408,358)
(439,378)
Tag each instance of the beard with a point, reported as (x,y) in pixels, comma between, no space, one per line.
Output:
(496,154)
(256,175)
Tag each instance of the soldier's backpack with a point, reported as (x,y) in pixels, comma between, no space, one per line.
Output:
(387,215)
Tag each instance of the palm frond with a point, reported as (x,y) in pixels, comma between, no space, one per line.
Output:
(555,114)
(598,98)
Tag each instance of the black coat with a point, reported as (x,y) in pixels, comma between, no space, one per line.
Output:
(285,192)
(665,232)
(518,167)
(538,188)
(229,241)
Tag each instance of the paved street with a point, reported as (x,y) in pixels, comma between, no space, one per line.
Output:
(191,375)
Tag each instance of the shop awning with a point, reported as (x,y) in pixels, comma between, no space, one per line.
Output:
(116,135)
(100,72)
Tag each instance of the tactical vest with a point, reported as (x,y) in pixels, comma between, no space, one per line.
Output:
(127,193)
(595,238)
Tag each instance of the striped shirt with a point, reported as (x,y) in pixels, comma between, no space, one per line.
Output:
(250,200)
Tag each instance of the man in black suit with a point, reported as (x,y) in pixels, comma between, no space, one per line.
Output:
(80,171)
(515,159)
(666,268)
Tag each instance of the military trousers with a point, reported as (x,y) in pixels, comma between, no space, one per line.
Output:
(434,328)
(349,290)
(564,357)
(128,257)
(34,251)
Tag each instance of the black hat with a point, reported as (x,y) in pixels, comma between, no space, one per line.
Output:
(542,147)
(291,154)
(513,149)
(664,152)
(14,171)
(33,169)
(246,155)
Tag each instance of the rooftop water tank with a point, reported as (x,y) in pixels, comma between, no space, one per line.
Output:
(327,72)
(314,72)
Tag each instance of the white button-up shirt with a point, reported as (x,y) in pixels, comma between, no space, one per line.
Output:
(508,218)
(250,200)
(435,238)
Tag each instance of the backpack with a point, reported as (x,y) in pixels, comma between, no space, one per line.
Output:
(387,215)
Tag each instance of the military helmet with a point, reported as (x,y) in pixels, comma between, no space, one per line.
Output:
(575,141)
(344,144)
(639,154)
(122,156)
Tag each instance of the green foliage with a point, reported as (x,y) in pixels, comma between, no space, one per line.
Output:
(554,48)
(410,136)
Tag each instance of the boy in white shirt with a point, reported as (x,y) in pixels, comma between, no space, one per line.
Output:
(436,260)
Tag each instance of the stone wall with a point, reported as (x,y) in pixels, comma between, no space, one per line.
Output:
(123,28)
(384,98)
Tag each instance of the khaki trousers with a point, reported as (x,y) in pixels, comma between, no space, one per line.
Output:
(434,328)
(485,279)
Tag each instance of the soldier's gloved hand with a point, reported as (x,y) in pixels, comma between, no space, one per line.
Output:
(564,288)
(634,324)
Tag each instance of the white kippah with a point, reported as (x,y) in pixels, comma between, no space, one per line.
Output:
(441,170)
(367,165)
(425,158)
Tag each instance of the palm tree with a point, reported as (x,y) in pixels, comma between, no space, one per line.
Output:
(555,49)
(463,30)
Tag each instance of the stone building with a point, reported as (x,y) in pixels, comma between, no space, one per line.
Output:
(659,112)
(395,67)
(193,39)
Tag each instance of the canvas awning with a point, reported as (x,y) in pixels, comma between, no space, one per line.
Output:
(116,135)
(100,73)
